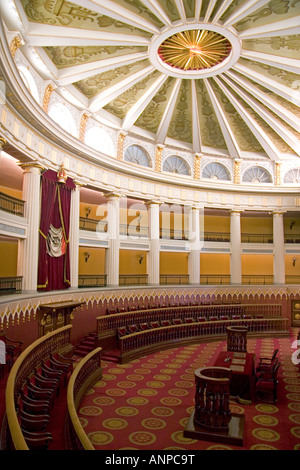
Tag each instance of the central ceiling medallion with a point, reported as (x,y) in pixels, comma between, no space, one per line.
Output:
(194,50)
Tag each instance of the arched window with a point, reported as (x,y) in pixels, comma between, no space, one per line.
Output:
(257,174)
(292,176)
(136,154)
(99,139)
(216,171)
(176,164)
(29,82)
(63,117)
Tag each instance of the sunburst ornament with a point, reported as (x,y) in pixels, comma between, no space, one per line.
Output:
(194,50)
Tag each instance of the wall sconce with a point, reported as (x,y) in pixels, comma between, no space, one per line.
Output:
(86,256)
(87,211)
(294,261)
(141,257)
(292,224)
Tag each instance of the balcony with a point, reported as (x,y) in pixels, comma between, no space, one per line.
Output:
(92,225)
(174,279)
(133,279)
(12,205)
(92,280)
(10,285)
(257,238)
(258,280)
(215,279)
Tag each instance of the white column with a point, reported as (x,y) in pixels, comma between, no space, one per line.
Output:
(194,238)
(30,246)
(113,251)
(236,249)
(74,235)
(154,254)
(278,245)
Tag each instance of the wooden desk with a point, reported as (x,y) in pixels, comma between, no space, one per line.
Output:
(242,385)
(56,315)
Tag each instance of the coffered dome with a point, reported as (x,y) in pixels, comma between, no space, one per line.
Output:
(218,77)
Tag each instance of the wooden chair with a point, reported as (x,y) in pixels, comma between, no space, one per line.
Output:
(267,363)
(37,440)
(237,338)
(13,349)
(122,331)
(266,383)
(189,320)
(165,322)
(144,326)
(177,321)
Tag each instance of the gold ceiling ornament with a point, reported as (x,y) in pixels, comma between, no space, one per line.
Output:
(194,49)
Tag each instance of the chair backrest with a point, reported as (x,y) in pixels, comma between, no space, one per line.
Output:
(275,354)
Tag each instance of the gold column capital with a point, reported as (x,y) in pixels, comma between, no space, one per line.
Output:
(3,142)
(120,146)
(15,44)
(83,123)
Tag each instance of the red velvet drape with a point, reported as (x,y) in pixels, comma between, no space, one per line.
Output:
(54,273)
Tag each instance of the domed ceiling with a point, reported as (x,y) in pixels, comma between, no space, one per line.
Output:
(205,75)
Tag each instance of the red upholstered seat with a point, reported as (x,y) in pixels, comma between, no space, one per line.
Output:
(201,319)
(213,318)
(266,383)
(132,329)
(144,326)
(236,317)
(165,322)
(154,324)
(190,320)
(122,331)
(247,317)
(225,317)
(177,321)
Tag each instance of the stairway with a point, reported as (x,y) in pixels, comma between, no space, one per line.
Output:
(86,345)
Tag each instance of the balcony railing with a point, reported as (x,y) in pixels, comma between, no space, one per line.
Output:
(258,280)
(92,225)
(92,280)
(133,279)
(12,205)
(256,238)
(292,238)
(134,231)
(10,285)
(176,279)
(216,237)
(215,279)
(292,279)
(171,234)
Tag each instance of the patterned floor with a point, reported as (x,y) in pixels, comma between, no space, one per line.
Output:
(146,403)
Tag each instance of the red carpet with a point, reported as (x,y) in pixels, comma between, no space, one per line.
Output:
(145,404)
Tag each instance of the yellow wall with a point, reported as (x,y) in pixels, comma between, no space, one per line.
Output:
(173,263)
(256,265)
(216,224)
(11,192)
(215,263)
(95,263)
(93,213)
(129,262)
(9,258)
(291,270)
(295,229)
(258,225)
